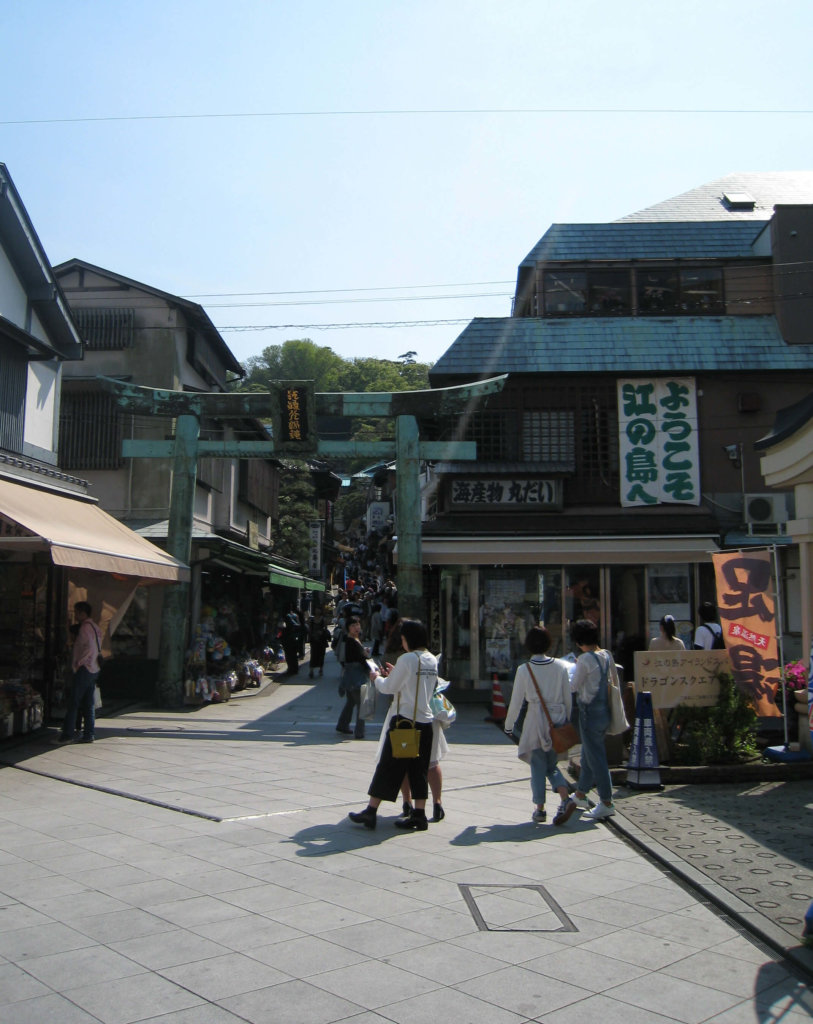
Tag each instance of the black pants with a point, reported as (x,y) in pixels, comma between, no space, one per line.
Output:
(390,771)
(352,699)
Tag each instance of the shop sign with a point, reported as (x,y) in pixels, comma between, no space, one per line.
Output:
(658,442)
(377,512)
(746,606)
(538,493)
(315,527)
(685,678)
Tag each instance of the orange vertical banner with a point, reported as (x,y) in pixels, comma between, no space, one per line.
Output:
(746,602)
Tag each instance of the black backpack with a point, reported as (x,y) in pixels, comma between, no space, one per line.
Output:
(717,644)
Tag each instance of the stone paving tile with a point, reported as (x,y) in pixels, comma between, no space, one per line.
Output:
(46,1008)
(608,1011)
(227,975)
(523,991)
(686,1001)
(307,956)
(291,1001)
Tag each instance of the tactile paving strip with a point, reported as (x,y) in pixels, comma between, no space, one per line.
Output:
(755,840)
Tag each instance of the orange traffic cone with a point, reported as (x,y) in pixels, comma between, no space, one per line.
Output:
(498,710)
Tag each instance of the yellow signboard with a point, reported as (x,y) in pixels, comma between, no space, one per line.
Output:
(687,678)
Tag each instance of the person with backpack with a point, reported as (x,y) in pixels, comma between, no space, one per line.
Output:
(709,634)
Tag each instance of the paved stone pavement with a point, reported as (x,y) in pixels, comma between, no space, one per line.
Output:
(199,868)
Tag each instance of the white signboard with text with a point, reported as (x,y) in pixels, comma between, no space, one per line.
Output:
(658,445)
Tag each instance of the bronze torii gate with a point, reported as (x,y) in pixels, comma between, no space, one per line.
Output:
(292,408)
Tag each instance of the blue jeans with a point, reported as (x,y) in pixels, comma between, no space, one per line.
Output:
(594,718)
(81,699)
(544,766)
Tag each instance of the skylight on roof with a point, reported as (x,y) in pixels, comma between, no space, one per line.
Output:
(739,200)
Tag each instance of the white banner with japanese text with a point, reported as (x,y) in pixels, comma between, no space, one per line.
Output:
(658,445)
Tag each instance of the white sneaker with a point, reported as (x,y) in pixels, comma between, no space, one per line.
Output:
(581,802)
(599,812)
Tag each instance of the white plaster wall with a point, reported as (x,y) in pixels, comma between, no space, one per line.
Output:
(42,391)
(13,301)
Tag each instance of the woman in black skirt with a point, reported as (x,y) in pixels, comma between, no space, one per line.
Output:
(414,675)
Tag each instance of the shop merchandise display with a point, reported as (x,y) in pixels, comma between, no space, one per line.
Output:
(21,708)
(213,670)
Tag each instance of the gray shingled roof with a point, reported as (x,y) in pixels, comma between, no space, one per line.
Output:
(706,203)
(704,240)
(494,345)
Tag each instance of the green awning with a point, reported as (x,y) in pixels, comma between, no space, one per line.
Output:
(287,578)
(282,578)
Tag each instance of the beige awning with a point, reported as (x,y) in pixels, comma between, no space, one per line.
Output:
(79,534)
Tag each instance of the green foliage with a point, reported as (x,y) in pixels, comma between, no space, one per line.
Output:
(353,504)
(302,359)
(723,734)
(297,502)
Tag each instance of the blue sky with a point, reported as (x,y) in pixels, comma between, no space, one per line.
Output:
(222,151)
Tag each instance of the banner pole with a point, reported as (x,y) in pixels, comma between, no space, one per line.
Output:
(780,645)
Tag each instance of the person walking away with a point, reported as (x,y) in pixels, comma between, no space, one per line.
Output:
(85,664)
(354,673)
(535,747)
(591,676)
(412,682)
(318,638)
(709,634)
(290,641)
(666,639)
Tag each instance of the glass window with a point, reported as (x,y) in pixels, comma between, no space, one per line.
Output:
(548,436)
(658,291)
(670,593)
(565,292)
(609,291)
(509,606)
(701,290)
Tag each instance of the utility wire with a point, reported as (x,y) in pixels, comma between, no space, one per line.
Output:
(409,112)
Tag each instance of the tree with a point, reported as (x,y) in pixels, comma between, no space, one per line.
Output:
(296,508)
(298,359)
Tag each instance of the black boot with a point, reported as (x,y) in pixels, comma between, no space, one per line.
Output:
(416,822)
(367,817)
(438,814)
(407,810)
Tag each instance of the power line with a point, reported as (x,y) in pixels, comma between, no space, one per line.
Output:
(335,302)
(440,112)
(346,326)
(329,291)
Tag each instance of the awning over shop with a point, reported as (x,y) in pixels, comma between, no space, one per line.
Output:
(79,534)
(486,550)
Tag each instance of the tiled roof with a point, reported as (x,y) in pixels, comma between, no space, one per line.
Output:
(704,240)
(706,201)
(494,345)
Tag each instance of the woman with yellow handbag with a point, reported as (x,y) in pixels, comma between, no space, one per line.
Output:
(411,682)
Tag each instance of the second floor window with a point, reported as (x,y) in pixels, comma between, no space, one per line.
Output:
(659,291)
(90,431)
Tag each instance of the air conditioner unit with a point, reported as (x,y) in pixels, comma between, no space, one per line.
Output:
(766,511)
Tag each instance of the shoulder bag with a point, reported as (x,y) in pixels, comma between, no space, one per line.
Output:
(405,736)
(562,737)
(615,702)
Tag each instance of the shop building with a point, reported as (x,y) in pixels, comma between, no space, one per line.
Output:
(140,334)
(646,356)
(57,545)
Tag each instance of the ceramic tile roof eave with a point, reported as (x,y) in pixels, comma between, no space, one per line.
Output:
(659,240)
(619,345)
